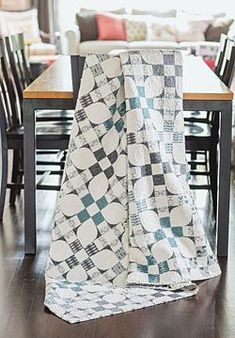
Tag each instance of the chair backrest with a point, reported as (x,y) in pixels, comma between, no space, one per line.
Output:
(227,69)
(220,54)
(77,65)
(9,101)
(18,62)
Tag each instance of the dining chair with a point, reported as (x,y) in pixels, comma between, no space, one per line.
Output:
(202,138)
(20,69)
(49,136)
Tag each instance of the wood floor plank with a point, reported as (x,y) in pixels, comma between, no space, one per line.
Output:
(211,314)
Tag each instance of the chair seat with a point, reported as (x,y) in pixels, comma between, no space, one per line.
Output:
(54,115)
(45,130)
(196,129)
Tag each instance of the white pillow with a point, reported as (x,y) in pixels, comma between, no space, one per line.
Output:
(191,30)
(21,22)
(161,29)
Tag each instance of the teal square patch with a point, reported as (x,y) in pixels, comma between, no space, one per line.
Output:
(98,218)
(165,222)
(163,267)
(87,200)
(172,242)
(151,260)
(119,125)
(142,268)
(134,102)
(141,91)
(159,234)
(177,231)
(102,203)
(149,102)
(83,216)
(146,113)
(153,278)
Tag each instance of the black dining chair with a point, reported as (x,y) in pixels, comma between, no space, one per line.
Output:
(49,136)
(202,137)
(21,71)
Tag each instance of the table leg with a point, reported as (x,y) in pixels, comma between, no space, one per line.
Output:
(29,178)
(224,179)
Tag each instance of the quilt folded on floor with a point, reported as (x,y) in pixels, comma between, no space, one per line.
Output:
(127,234)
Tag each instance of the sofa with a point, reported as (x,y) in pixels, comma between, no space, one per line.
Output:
(93,31)
(14,22)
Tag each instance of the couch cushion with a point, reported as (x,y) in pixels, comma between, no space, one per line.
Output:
(153,44)
(114,11)
(167,14)
(100,46)
(21,22)
(42,49)
(110,27)
(87,25)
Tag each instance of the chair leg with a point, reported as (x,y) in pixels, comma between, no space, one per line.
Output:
(3,171)
(213,177)
(14,177)
(20,174)
(193,158)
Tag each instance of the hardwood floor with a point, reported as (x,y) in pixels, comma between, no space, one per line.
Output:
(211,314)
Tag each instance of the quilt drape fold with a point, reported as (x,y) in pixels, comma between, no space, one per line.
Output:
(127,234)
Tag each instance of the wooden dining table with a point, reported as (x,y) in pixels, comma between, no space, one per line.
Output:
(202,91)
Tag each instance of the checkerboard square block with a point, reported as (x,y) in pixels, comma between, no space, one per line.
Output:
(91,249)
(87,200)
(87,264)
(83,216)
(98,218)
(158,70)
(169,59)
(99,154)
(95,169)
(76,246)
(155,157)
(159,234)
(72,262)
(146,170)
(169,81)
(102,203)
(165,222)
(177,231)
(109,172)
(158,179)
(163,267)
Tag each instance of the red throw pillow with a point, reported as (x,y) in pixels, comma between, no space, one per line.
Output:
(110,27)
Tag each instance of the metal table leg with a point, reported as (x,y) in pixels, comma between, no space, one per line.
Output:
(29,178)
(224,179)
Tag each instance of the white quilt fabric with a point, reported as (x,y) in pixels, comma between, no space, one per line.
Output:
(127,233)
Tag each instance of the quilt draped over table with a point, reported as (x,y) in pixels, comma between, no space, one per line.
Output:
(127,234)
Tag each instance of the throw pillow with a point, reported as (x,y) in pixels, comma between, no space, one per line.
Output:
(87,25)
(110,27)
(136,27)
(21,22)
(167,14)
(216,28)
(162,29)
(191,30)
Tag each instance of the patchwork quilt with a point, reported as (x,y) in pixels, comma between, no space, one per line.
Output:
(127,234)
